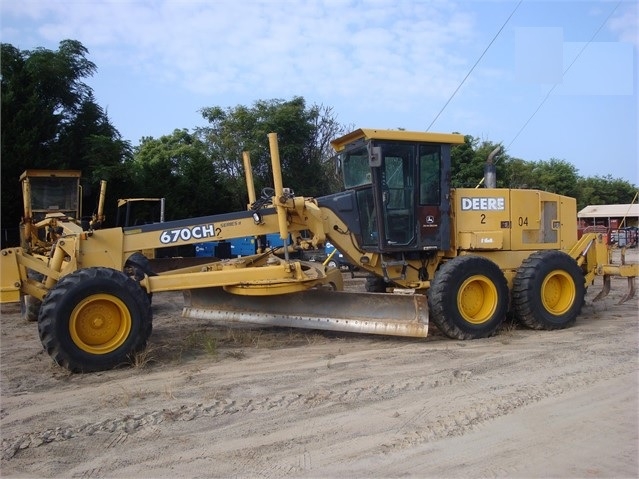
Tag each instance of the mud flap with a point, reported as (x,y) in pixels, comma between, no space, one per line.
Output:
(369,313)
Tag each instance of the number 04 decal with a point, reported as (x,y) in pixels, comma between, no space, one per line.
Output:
(186,234)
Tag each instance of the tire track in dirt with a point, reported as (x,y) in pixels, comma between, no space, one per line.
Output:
(342,404)
(483,409)
(187,412)
(415,429)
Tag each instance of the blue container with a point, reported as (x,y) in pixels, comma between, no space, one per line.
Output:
(204,249)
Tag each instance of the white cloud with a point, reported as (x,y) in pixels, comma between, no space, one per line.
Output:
(378,63)
(625,23)
(378,50)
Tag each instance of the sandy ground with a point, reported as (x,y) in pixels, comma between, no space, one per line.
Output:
(207,401)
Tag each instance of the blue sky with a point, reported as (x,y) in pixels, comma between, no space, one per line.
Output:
(377,63)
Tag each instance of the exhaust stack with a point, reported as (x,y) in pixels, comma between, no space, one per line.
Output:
(490,171)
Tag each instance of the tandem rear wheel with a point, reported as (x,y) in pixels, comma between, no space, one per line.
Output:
(468,298)
(548,290)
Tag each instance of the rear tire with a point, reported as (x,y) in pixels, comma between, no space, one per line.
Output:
(548,291)
(375,284)
(138,265)
(94,319)
(468,298)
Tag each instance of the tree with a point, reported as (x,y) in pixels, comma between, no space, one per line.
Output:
(606,190)
(178,168)
(555,176)
(519,173)
(50,120)
(469,159)
(303,137)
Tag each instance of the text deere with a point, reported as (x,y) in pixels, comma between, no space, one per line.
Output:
(483,204)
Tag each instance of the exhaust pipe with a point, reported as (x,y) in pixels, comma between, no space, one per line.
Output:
(490,171)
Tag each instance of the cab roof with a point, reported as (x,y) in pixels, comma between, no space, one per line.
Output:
(400,135)
(50,174)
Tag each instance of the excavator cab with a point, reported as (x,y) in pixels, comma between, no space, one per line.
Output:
(398,183)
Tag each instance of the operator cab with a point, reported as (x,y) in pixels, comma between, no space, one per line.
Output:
(400,181)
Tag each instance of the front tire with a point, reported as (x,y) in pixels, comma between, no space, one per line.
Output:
(94,319)
(468,298)
(548,291)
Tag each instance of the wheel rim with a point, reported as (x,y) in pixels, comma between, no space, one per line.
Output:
(477,299)
(558,292)
(100,323)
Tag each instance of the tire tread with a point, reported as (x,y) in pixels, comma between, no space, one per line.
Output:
(49,317)
(526,287)
(440,296)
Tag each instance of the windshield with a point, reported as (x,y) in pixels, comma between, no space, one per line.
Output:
(54,194)
(355,168)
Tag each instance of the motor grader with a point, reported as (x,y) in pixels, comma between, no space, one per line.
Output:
(460,257)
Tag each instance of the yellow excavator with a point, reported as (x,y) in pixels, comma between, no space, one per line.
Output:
(460,257)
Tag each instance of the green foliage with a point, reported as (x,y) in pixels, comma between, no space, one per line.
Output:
(606,190)
(468,161)
(518,173)
(556,176)
(303,138)
(50,120)
(178,168)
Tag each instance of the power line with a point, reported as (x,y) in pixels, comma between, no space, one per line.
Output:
(564,73)
(473,67)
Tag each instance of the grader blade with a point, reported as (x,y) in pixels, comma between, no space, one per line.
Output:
(370,313)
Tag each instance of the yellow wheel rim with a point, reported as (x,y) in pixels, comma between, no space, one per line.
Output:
(100,323)
(477,299)
(558,292)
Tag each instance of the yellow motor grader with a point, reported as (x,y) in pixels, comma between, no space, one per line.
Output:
(461,257)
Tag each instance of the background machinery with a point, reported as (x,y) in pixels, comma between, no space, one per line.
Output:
(460,257)
(48,196)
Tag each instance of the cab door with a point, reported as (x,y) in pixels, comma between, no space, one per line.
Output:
(397,197)
(433,205)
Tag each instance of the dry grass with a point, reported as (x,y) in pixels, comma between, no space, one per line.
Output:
(142,359)
(204,341)
(125,398)
(235,354)
(507,329)
(221,343)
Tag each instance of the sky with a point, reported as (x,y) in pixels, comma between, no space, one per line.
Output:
(546,79)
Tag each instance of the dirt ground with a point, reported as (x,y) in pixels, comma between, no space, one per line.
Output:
(208,401)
